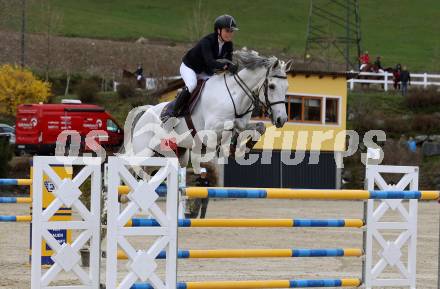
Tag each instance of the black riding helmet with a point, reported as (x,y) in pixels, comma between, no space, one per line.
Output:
(225,21)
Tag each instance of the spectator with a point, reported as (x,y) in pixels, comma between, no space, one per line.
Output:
(202,181)
(364,59)
(412,145)
(396,76)
(193,206)
(405,79)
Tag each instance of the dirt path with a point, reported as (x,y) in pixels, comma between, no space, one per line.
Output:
(14,237)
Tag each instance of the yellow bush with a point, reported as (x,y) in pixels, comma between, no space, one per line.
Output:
(19,86)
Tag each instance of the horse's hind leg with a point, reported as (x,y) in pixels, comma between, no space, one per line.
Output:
(140,146)
(184,159)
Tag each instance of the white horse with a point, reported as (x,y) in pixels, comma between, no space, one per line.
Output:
(226,104)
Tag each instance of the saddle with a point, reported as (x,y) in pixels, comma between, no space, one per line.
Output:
(170,145)
(189,107)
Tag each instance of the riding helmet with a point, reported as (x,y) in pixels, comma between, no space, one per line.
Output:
(225,21)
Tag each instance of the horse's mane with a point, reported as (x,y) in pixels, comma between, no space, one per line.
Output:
(251,59)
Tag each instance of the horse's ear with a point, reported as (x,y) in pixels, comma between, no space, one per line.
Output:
(289,64)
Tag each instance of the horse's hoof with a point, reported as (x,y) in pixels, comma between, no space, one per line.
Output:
(260,128)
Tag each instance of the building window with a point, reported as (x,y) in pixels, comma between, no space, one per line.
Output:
(331,110)
(312,109)
(295,110)
(308,109)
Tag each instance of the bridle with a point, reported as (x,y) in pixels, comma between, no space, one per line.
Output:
(254,95)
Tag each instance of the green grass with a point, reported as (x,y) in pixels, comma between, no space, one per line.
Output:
(390,112)
(401,31)
(390,103)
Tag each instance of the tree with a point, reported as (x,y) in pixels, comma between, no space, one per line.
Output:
(199,22)
(19,86)
(50,21)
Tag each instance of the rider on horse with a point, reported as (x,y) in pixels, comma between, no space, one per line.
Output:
(139,72)
(364,59)
(377,66)
(202,60)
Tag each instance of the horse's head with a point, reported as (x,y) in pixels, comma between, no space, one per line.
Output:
(273,92)
(272,88)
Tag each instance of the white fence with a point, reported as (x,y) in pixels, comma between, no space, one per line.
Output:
(385,79)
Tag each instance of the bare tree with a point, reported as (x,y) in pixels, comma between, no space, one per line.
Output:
(66,62)
(50,21)
(199,22)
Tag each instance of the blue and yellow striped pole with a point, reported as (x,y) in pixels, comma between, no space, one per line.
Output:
(275,193)
(260,284)
(15,182)
(16,219)
(15,200)
(257,253)
(282,193)
(240,223)
(161,190)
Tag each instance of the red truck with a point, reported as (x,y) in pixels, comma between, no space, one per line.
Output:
(38,126)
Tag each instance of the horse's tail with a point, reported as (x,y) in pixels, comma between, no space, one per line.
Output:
(132,118)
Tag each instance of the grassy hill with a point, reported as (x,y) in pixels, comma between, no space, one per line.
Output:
(403,31)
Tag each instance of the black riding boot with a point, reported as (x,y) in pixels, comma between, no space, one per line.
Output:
(179,104)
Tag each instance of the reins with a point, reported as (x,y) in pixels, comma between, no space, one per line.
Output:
(254,96)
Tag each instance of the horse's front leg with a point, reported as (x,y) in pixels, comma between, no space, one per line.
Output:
(257,127)
(254,129)
(246,134)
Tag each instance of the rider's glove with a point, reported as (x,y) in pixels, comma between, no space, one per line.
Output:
(232,68)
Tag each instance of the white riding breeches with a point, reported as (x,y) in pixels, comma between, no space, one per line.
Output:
(190,77)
